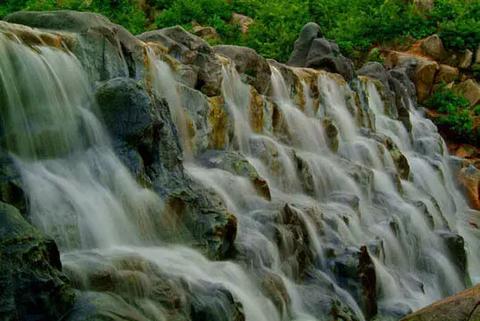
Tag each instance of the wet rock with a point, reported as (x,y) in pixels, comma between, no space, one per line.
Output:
(217,304)
(106,50)
(401,162)
(368,280)
(311,50)
(33,286)
(197,108)
(470,89)
(293,242)
(456,245)
(137,122)
(143,131)
(252,67)
(190,50)
(332,134)
(274,288)
(11,187)
(320,300)
(218,120)
(459,307)
(235,163)
(397,89)
(355,271)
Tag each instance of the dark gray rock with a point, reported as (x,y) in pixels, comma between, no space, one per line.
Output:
(235,163)
(145,138)
(252,67)
(32,286)
(11,187)
(302,45)
(456,246)
(326,55)
(106,50)
(190,50)
(143,133)
(312,50)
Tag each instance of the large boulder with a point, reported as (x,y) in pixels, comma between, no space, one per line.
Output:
(433,47)
(105,49)
(137,122)
(252,67)
(311,50)
(459,307)
(31,282)
(446,74)
(425,78)
(190,50)
(237,164)
(302,45)
(145,138)
(469,178)
(470,89)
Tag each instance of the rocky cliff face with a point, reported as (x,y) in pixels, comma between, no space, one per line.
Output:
(313,180)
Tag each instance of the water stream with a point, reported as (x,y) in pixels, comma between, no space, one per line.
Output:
(302,243)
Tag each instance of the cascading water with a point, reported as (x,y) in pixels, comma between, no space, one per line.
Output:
(296,245)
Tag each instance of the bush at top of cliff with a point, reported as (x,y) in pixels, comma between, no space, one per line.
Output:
(456,116)
(356,26)
(127,13)
(446,101)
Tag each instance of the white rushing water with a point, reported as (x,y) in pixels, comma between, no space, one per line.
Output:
(325,203)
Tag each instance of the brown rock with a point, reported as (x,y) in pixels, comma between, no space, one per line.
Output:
(424,4)
(207,33)
(463,306)
(469,178)
(446,74)
(477,56)
(433,47)
(466,59)
(243,21)
(470,89)
(424,78)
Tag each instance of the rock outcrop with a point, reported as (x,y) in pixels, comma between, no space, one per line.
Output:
(463,306)
(32,286)
(312,50)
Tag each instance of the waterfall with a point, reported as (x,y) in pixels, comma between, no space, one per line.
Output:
(296,245)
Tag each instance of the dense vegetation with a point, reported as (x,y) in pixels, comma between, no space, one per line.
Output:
(356,25)
(456,115)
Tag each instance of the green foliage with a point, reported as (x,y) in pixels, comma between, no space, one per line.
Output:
(461,122)
(446,101)
(476,71)
(456,114)
(357,26)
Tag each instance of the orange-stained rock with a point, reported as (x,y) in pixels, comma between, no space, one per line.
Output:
(425,78)
(446,74)
(469,178)
(463,306)
(433,47)
(218,121)
(470,89)
(256,110)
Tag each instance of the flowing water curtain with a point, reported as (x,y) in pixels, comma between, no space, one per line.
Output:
(412,265)
(323,206)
